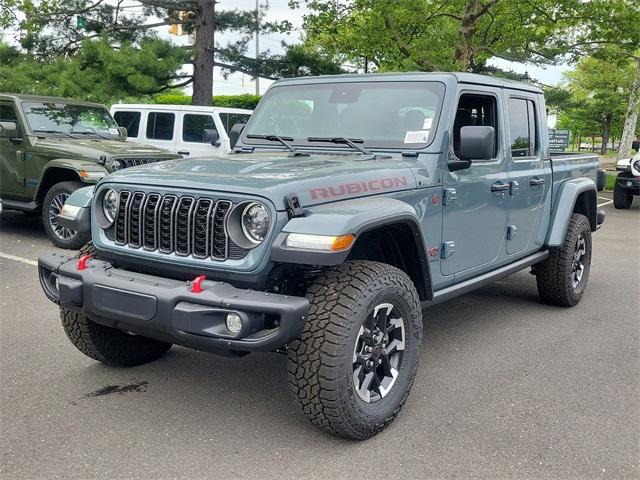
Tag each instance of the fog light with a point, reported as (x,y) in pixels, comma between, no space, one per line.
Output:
(233,323)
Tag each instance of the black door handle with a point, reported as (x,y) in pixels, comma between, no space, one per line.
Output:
(535,181)
(183,152)
(500,187)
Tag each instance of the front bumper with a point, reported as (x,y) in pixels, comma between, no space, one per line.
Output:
(167,309)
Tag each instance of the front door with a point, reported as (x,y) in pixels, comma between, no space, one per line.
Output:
(12,164)
(529,174)
(475,199)
(194,138)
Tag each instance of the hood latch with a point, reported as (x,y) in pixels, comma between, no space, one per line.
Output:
(294,209)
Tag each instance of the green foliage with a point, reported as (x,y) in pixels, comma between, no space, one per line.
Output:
(441,34)
(594,100)
(97,72)
(247,101)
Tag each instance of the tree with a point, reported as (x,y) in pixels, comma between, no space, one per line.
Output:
(50,28)
(96,71)
(427,35)
(611,32)
(594,99)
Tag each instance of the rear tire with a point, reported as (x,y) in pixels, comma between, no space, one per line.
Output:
(354,364)
(562,277)
(53,202)
(110,345)
(621,198)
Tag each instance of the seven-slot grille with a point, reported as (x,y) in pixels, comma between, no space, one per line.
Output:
(184,225)
(134,162)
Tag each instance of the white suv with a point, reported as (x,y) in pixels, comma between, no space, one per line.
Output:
(185,129)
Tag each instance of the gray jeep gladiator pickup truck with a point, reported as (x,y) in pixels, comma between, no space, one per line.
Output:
(350,204)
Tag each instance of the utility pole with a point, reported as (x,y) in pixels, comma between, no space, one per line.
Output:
(257,47)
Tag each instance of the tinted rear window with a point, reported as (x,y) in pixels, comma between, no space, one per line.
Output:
(230,119)
(160,125)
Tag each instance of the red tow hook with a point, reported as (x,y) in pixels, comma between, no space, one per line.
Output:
(82,262)
(196,285)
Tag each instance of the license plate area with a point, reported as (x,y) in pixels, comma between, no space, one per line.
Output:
(124,304)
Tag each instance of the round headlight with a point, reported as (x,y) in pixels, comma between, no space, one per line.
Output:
(116,165)
(255,222)
(110,205)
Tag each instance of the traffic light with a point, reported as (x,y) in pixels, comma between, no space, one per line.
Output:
(81,22)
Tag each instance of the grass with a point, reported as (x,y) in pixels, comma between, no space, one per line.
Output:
(610,180)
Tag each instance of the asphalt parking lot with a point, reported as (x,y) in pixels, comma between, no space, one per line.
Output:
(507,388)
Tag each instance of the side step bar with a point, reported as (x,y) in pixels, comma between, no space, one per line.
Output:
(8,204)
(487,278)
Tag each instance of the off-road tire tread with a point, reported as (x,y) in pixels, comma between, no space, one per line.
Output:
(553,276)
(109,345)
(314,359)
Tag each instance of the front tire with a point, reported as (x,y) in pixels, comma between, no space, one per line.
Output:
(354,364)
(621,198)
(562,277)
(53,201)
(110,345)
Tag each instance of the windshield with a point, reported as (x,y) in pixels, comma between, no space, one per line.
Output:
(381,114)
(69,119)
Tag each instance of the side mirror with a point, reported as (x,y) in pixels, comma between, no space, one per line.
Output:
(122,131)
(211,136)
(8,129)
(235,132)
(477,143)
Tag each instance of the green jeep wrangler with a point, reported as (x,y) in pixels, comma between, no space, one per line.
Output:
(50,147)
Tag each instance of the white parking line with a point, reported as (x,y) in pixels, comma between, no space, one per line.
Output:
(8,256)
(605,203)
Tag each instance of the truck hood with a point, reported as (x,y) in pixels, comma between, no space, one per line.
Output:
(319,178)
(94,148)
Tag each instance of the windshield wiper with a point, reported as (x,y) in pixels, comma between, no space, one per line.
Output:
(352,142)
(283,141)
(91,132)
(39,130)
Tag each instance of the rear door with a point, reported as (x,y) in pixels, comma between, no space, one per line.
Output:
(12,154)
(475,199)
(529,172)
(160,129)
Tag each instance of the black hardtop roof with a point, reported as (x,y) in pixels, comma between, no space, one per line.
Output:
(460,77)
(22,97)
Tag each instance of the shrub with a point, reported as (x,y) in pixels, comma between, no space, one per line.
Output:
(246,100)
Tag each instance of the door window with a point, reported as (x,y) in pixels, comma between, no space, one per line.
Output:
(160,125)
(475,110)
(128,120)
(194,126)
(522,127)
